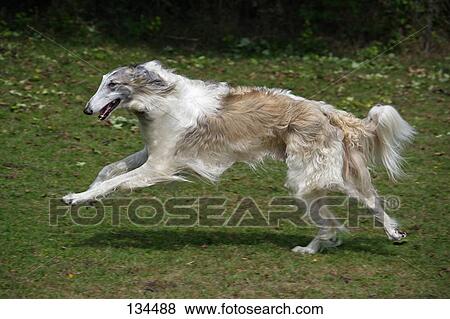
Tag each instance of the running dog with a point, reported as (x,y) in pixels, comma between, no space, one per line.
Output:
(206,127)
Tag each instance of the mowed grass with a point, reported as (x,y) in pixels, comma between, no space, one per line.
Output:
(49,148)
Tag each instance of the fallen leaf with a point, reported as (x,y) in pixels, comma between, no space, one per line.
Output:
(156,285)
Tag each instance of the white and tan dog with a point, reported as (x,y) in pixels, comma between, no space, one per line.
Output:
(206,127)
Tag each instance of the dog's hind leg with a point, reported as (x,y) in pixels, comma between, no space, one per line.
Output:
(321,217)
(309,180)
(315,161)
(120,167)
(374,203)
(358,185)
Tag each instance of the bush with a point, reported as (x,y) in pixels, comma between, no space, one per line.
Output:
(258,26)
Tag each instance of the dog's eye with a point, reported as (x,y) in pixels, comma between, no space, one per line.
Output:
(112,85)
(157,82)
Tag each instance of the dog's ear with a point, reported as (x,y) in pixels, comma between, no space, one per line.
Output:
(150,77)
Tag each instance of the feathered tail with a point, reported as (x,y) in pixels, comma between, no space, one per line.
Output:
(378,139)
(391,133)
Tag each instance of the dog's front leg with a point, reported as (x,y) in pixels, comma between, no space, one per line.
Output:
(120,167)
(143,176)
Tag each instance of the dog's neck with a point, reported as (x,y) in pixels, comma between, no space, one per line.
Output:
(196,99)
(165,119)
(190,101)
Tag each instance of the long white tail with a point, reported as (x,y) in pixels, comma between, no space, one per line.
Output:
(392,132)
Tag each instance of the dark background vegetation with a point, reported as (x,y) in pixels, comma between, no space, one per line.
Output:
(255,26)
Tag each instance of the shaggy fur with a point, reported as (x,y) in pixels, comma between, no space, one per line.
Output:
(206,127)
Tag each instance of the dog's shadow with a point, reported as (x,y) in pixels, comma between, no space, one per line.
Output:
(174,239)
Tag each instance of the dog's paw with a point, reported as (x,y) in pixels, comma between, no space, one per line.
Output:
(331,243)
(395,234)
(76,199)
(303,250)
(68,199)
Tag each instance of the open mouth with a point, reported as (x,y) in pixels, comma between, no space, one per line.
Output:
(108,108)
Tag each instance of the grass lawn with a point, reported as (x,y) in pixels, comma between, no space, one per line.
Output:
(49,148)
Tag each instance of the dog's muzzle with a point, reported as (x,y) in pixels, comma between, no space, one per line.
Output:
(87,110)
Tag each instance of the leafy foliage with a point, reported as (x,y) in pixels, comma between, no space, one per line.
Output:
(260,26)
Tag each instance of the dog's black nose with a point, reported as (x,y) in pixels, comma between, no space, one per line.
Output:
(88,111)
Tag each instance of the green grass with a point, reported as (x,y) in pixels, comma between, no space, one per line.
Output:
(44,137)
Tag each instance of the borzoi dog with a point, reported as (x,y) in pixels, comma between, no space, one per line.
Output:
(206,127)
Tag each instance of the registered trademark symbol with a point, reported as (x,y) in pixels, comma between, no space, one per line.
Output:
(392,202)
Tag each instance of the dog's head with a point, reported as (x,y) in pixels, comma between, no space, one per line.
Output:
(131,87)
